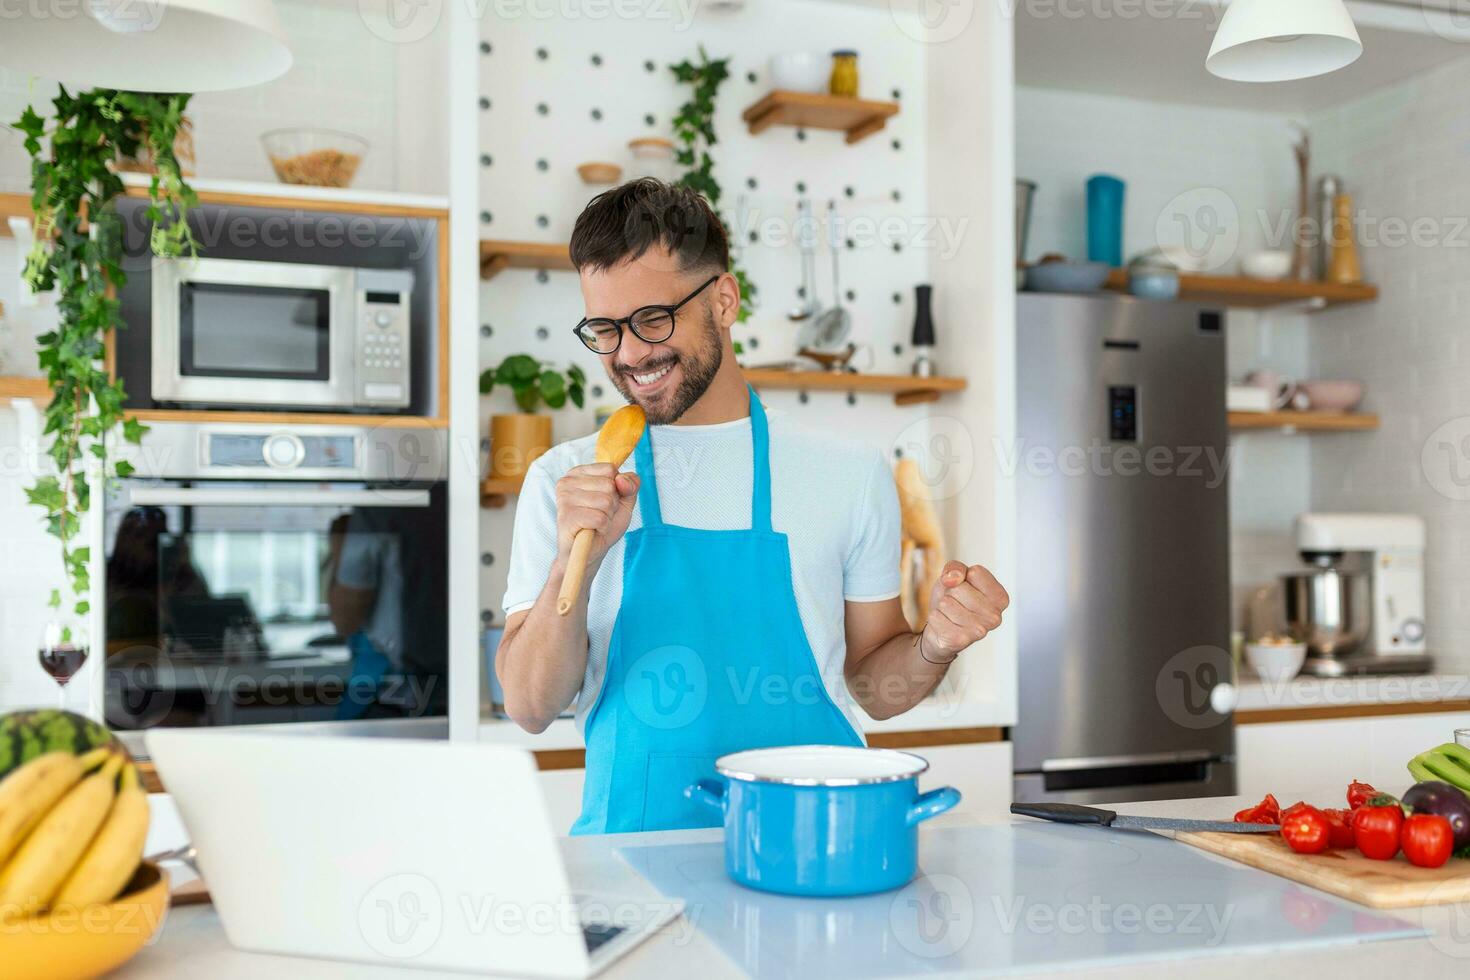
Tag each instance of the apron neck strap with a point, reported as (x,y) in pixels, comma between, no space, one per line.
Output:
(760,498)
(760,502)
(647,485)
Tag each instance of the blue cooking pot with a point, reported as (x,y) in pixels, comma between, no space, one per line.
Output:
(821,819)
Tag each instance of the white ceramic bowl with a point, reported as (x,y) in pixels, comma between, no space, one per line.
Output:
(1276,663)
(1266,265)
(1185,259)
(801,71)
(1332,396)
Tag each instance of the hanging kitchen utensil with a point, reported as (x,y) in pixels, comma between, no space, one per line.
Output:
(615,444)
(806,234)
(828,331)
(923,335)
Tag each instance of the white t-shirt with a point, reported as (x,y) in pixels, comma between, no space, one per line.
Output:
(834,499)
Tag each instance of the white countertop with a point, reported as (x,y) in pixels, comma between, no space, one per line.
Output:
(1255,694)
(193,944)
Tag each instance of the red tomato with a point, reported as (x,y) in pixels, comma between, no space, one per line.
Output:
(1266,811)
(1340,823)
(1305,829)
(1377,830)
(1359,793)
(1427,840)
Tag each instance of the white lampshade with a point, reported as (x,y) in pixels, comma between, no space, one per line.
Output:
(1279,40)
(154,46)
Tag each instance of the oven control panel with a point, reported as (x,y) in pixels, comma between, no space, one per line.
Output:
(281,451)
(384,360)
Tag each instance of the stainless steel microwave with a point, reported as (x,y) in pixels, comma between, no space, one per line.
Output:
(230,333)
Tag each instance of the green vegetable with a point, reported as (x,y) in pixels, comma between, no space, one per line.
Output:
(1448,763)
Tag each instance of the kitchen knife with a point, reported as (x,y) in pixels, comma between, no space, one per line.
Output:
(1072,813)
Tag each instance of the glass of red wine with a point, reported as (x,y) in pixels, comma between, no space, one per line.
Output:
(63,651)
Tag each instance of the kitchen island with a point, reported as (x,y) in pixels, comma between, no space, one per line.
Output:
(193,943)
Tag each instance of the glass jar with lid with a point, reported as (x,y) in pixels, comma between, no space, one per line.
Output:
(844,80)
(653,156)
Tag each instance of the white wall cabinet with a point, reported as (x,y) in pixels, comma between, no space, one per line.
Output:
(981,772)
(1300,756)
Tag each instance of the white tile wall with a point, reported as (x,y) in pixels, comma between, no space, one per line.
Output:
(1404,154)
(32,566)
(1162,151)
(343,78)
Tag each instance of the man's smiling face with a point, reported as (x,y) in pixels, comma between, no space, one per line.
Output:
(663,379)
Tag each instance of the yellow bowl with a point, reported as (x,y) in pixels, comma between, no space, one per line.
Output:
(83,943)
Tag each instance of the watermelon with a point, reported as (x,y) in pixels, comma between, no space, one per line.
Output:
(27,734)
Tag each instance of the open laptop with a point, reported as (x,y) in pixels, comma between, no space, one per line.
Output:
(406,852)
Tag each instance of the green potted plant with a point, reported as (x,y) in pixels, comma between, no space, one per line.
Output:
(77,253)
(694,129)
(517,439)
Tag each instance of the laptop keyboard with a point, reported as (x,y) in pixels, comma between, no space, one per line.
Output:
(596,934)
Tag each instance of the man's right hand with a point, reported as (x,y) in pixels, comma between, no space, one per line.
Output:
(595,496)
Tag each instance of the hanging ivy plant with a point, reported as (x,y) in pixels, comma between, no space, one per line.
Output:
(694,128)
(77,252)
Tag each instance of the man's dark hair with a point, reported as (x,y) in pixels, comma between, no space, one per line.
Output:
(622,224)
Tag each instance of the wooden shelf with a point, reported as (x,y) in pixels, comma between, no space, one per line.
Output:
(13,206)
(286,418)
(906,390)
(1239,291)
(858,118)
(497,491)
(38,389)
(1305,421)
(496,256)
(278,196)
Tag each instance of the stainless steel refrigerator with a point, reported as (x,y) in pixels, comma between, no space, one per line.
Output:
(1123,589)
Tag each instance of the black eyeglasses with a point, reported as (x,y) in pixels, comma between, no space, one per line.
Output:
(652,325)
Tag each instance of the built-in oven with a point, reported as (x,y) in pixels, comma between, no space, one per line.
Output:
(230,333)
(257,574)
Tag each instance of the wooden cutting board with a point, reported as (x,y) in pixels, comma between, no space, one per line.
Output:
(1395,884)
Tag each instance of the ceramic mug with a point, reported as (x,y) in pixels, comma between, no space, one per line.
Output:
(1283,390)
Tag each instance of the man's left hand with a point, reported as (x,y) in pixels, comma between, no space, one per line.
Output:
(965,605)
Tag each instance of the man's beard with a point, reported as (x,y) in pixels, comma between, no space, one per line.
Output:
(698,370)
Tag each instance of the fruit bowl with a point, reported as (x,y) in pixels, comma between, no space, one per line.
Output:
(314,157)
(74,944)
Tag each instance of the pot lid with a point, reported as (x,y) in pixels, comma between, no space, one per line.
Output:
(821,765)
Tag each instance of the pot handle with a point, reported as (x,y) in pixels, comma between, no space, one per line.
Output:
(710,792)
(932,804)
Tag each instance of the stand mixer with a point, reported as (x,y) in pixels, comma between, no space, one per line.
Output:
(1360,605)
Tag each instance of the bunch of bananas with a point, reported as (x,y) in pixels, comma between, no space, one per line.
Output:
(72,831)
(1448,763)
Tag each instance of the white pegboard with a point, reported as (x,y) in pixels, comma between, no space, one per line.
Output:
(556,93)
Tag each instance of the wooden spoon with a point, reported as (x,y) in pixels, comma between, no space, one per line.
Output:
(620,433)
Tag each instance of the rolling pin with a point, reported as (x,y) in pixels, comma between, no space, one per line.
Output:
(620,433)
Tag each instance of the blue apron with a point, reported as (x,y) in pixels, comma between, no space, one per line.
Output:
(369,667)
(708,656)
